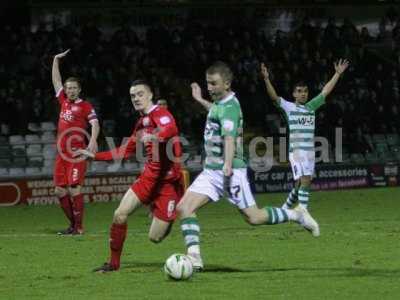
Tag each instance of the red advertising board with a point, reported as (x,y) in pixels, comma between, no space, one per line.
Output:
(41,191)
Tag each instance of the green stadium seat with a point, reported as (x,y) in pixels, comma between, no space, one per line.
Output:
(393,139)
(394,149)
(378,138)
(381,148)
(372,157)
(386,157)
(357,158)
(5,152)
(19,162)
(5,163)
(19,152)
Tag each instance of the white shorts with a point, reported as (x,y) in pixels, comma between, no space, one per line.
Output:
(303,163)
(210,183)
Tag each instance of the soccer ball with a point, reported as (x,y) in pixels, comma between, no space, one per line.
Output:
(178,267)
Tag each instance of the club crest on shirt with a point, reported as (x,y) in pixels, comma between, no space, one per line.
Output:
(75,108)
(146,121)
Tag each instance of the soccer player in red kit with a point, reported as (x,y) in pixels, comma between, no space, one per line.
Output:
(69,172)
(159,184)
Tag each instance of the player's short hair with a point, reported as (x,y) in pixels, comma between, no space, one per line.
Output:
(221,68)
(142,82)
(73,79)
(300,83)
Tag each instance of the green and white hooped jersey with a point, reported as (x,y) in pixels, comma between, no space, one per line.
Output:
(301,122)
(224,119)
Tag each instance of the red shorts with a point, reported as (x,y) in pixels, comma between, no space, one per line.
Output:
(69,173)
(162,196)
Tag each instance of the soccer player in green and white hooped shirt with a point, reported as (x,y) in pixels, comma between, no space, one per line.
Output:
(301,122)
(224,163)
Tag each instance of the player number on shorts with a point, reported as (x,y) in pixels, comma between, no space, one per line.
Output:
(235,190)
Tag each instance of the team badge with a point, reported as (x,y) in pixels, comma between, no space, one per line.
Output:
(146,121)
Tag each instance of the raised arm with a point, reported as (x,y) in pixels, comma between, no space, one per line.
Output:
(55,71)
(270,88)
(340,67)
(196,93)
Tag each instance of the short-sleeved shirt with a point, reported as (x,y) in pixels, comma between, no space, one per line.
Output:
(301,122)
(224,118)
(73,122)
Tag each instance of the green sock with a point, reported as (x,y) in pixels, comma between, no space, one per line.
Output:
(276,215)
(191,234)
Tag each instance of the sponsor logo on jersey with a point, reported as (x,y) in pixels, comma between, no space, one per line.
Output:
(165,120)
(228,125)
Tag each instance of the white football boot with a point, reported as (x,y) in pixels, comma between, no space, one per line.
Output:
(196,261)
(307,221)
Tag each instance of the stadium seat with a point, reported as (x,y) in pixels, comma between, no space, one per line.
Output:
(47,126)
(5,152)
(15,171)
(48,163)
(5,162)
(378,138)
(29,171)
(3,140)
(35,162)
(32,139)
(47,170)
(381,147)
(98,167)
(357,158)
(372,157)
(3,171)
(19,162)
(34,127)
(393,139)
(34,150)
(48,137)
(130,166)
(19,151)
(16,140)
(49,152)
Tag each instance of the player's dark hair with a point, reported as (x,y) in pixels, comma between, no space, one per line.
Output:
(73,79)
(142,82)
(300,83)
(221,68)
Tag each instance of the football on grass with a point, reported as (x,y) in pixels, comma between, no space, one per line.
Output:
(178,267)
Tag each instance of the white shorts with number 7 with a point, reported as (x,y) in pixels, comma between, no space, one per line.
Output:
(210,183)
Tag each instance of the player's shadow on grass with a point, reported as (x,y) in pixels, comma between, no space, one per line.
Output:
(145,267)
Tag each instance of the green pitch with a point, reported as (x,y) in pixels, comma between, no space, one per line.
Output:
(356,257)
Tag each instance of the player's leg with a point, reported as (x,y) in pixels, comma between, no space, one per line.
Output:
(292,198)
(159,230)
(241,196)
(205,187)
(129,203)
(76,176)
(304,191)
(295,163)
(61,192)
(66,205)
(77,207)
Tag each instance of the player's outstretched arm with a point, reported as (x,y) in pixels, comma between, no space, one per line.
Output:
(55,71)
(340,67)
(270,88)
(196,93)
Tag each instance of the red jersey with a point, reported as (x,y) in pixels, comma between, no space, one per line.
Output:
(160,122)
(73,121)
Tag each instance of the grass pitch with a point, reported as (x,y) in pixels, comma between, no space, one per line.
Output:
(356,257)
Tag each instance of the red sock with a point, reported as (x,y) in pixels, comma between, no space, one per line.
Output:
(66,205)
(117,238)
(77,208)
